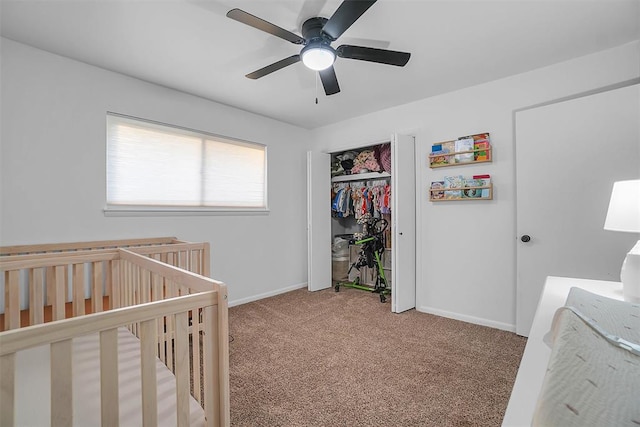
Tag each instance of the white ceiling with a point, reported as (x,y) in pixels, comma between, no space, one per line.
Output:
(190,45)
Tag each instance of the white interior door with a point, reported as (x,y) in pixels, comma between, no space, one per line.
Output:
(318,220)
(403,214)
(568,155)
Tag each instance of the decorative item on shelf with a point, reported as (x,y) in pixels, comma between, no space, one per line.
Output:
(453,185)
(365,162)
(458,187)
(624,215)
(484,182)
(465,147)
(465,150)
(437,190)
(439,153)
(383,154)
(472,188)
(481,148)
(344,163)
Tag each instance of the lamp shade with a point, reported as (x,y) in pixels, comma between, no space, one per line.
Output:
(624,207)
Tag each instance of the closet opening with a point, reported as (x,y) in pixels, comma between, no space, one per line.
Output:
(361,255)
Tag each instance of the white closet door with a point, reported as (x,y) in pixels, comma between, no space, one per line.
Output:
(318,220)
(403,216)
(568,156)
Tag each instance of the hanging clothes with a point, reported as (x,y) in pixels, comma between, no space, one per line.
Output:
(359,198)
(385,205)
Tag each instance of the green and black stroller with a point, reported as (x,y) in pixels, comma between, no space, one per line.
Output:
(372,241)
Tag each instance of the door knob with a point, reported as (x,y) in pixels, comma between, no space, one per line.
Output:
(525,238)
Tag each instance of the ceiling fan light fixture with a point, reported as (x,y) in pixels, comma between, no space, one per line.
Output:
(318,57)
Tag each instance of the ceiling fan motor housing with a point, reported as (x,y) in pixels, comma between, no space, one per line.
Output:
(312,30)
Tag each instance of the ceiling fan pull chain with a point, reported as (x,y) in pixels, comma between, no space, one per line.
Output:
(317,76)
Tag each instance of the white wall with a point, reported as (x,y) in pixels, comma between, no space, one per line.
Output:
(467,251)
(52,173)
(53,169)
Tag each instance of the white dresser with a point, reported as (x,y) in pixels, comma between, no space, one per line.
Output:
(536,354)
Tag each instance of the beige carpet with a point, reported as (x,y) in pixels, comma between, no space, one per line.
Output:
(343,359)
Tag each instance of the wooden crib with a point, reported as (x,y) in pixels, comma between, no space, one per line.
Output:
(153,292)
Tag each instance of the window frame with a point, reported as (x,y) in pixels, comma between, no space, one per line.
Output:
(182,210)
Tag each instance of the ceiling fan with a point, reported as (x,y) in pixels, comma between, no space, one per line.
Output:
(317,36)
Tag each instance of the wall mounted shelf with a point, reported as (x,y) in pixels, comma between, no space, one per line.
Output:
(466,150)
(433,165)
(445,198)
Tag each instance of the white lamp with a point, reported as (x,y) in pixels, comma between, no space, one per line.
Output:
(318,56)
(624,215)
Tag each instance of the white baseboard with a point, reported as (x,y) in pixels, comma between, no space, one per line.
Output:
(267,294)
(468,319)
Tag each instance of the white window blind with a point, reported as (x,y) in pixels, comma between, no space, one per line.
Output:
(156,165)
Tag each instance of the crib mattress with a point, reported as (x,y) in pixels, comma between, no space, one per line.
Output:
(33,385)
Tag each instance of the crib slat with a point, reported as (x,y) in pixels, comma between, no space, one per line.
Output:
(135,293)
(206,261)
(182,369)
(59,292)
(195,363)
(156,294)
(146,286)
(78,290)
(164,258)
(114,285)
(183,260)
(50,274)
(194,260)
(7,389)
(124,284)
(171,291)
(36,296)
(109,378)
(108,279)
(156,287)
(129,289)
(138,292)
(12,299)
(148,371)
(198,256)
(211,375)
(96,291)
(61,384)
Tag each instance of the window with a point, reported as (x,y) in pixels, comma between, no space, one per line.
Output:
(152,166)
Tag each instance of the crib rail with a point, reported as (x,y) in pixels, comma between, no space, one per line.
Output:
(146,279)
(38,288)
(42,288)
(150,290)
(76,246)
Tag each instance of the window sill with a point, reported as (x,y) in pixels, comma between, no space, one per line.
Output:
(180,211)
